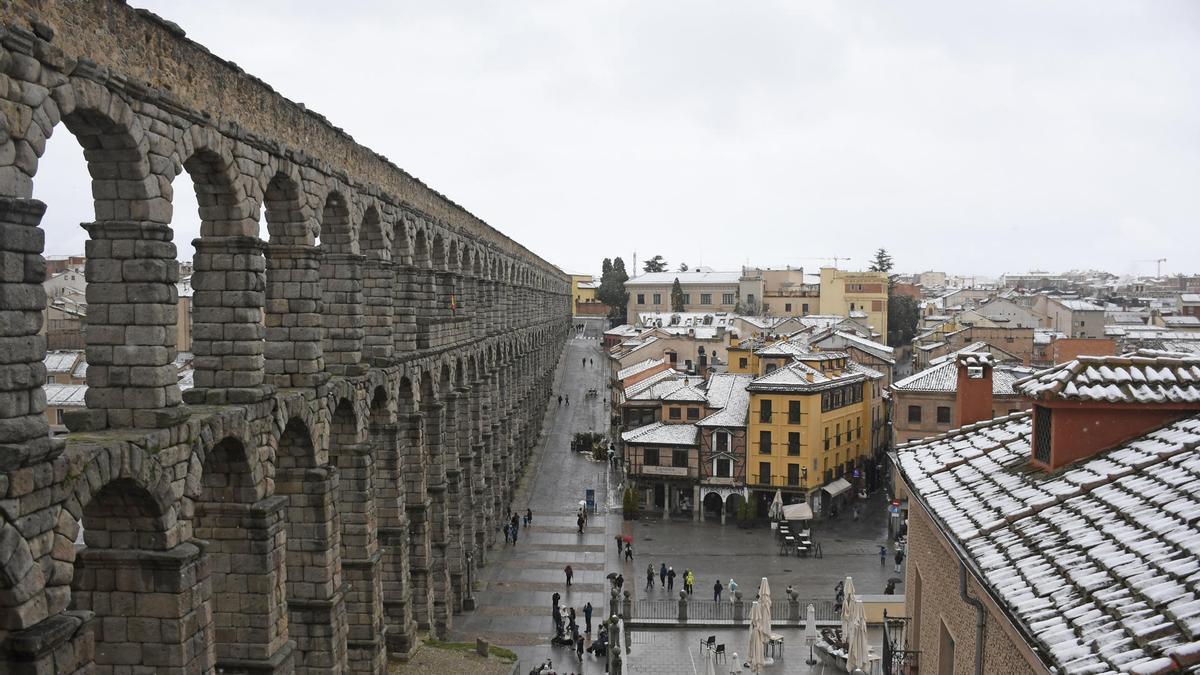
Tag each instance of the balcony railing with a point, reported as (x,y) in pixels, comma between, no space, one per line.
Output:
(760,480)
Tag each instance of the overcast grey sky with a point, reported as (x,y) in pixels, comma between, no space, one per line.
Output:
(968,137)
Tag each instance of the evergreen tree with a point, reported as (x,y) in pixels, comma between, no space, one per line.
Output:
(903,315)
(612,291)
(605,269)
(683,267)
(655,264)
(676,296)
(882,262)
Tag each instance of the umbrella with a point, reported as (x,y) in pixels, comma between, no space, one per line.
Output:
(758,637)
(775,511)
(764,599)
(856,639)
(810,632)
(628,539)
(847,602)
(583,502)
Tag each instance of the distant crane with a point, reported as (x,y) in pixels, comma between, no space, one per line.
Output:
(1158,261)
(834,258)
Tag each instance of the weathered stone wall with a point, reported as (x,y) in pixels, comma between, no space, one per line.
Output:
(362,405)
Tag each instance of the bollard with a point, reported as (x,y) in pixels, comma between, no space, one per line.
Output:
(614,603)
(793,607)
(627,606)
(481,647)
(739,607)
(683,607)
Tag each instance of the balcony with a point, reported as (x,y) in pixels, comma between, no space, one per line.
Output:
(796,482)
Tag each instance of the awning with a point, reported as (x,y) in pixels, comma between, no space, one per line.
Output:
(837,487)
(799,511)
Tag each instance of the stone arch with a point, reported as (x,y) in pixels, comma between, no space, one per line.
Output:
(421,247)
(335,228)
(373,241)
(288,216)
(225,209)
(22,581)
(438,253)
(402,244)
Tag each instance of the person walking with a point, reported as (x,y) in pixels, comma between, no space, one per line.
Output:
(732,590)
(528,517)
(570,573)
(899,560)
(507,534)
(882,555)
(579,522)
(560,400)
(650,576)
(670,578)
(568,399)
(628,552)
(587,618)
(662,575)
(690,580)
(579,647)
(584,360)
(717,588)
(620,545)
(620,580)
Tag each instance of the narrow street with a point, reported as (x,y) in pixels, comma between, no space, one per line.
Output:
(516,585)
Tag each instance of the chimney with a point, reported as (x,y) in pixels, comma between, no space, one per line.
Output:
(974,392)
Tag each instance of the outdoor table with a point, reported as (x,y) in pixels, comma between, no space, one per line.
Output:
(775,644)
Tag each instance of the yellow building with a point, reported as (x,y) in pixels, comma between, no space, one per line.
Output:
(810,425)
(856,294)
(583,296)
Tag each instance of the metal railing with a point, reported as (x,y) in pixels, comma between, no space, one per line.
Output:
(705,611)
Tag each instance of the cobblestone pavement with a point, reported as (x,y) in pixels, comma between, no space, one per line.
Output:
(516,584)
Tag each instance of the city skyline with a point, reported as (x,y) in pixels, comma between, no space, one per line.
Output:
(1003,138)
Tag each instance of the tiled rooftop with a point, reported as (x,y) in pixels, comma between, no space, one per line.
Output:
(1098,563)
(795,377)
(657,433)
(727,391)
(640,366)
(943,378)
(1145,376)
(66,395)
(61,361)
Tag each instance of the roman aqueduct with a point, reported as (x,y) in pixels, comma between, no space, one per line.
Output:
(361,408)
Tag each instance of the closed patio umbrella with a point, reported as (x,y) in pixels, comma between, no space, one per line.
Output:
(856,639)
(847,601)
(757,638)
(710,665)
(764,599)
(775,511)
(810,632)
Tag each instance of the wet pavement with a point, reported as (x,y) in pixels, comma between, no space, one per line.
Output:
(516,585)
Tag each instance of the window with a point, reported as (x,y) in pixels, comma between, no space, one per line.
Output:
(693,413)
(770,367)
(672,357)
(722,467)
(837,435)
(679,458)
(687,298)
(852,307)
(764,442)
(793,474)
(793,442)
(764,410)
(674,413)
(727,298)
(641,298)
(945,651)
(721,441)
(706,298)
(787,307)
(793,412)
(743,362)
(804,308)
(650,456)
(914,413)
(764,472)
(1041,434)
(826,439)
(658,298)
(943,414)
(58,415)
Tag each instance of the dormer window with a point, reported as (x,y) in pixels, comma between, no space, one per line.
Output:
(1041,433)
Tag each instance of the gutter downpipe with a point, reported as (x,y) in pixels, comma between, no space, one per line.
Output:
(980,616)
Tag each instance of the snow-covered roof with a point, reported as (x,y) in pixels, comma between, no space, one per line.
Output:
(798,376)
(872,347)
(1182,320)
(685,278)
(978,346)
(657,433)
(1190,297)
(686,394)
(659,385)
(187,379)
(943,379)
(1121,317)
(1145,376)
(1045,337)
(624,330)
(1096,562)
(61,360)
(685,319)
(727,391)
(1079,305)
(639,367)
(65,395)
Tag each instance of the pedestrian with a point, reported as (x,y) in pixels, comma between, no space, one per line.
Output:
(579,647)
(717,588)
(570,573)
(572,626)
(670,578)
(560,400)
(513,527)
(855,513)
(689,581)
(587,618)
(899,560)
(568,399)
(507,534)
(732,589)
(628,552)
(620,545)
(620,582)
(584,360)
(649,576)
(590,362)
(579,522)
(528,517)
(882,555)
(662,574)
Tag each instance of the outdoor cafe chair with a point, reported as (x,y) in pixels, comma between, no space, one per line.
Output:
(719,653)
(708,644)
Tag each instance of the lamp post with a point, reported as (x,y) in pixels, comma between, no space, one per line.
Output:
(469,600)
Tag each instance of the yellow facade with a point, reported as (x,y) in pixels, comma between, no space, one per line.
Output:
(845,292)
(583,290)
(742,359)
(827,438)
